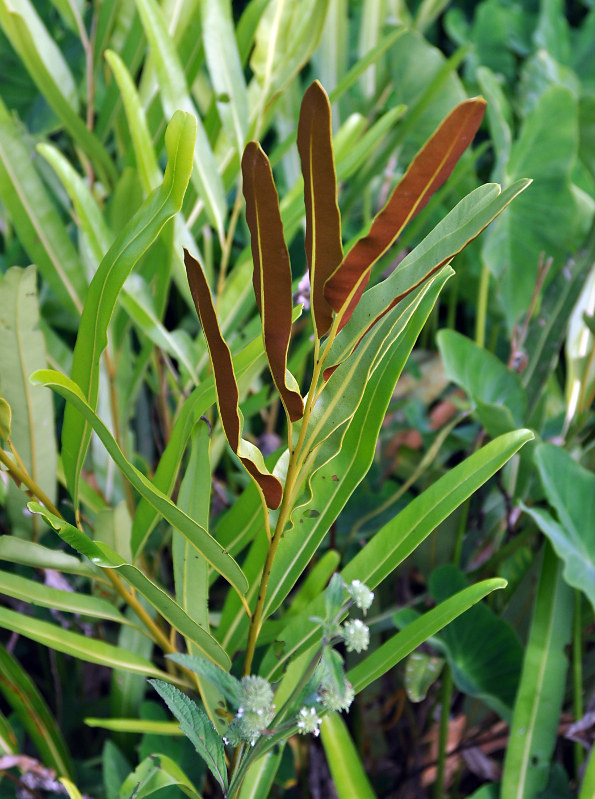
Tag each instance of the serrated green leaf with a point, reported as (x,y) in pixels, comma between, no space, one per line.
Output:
(225,682)
(197,727)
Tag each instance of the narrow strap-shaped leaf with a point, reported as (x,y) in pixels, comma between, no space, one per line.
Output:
(174,95)
(426,173)
(460,226)
(193,408)
(36,219)
(105,557)
(227,387)
(324,250)
(50,73)
(91,650)
(403,643)
(137,236)
(272,271)
(214,553)
(22,695)
(45,596)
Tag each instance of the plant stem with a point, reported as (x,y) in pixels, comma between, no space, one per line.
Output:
(296,461)
(24,478)
(447,685)
(577,675)
(482,306)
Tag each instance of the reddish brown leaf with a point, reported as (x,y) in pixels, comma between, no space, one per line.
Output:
(227,387)
(427,172)
(323,221)
(272,271)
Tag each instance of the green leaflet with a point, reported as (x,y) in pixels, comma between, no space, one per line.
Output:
(210,549)
(102,555)
(137,236)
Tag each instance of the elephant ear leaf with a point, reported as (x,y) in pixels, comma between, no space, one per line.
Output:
(427,172)
(272,272)
(227,387)
(324,250)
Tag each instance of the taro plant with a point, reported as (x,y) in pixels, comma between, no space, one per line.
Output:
(361,342)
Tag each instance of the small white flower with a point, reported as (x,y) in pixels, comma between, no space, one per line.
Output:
(309,721)
(356,635)
(361,594)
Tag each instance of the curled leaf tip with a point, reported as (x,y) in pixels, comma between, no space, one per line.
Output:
(226,385)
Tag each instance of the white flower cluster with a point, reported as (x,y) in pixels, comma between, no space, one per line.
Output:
(254,714)
(361,594)
(356,635)
(309,721)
